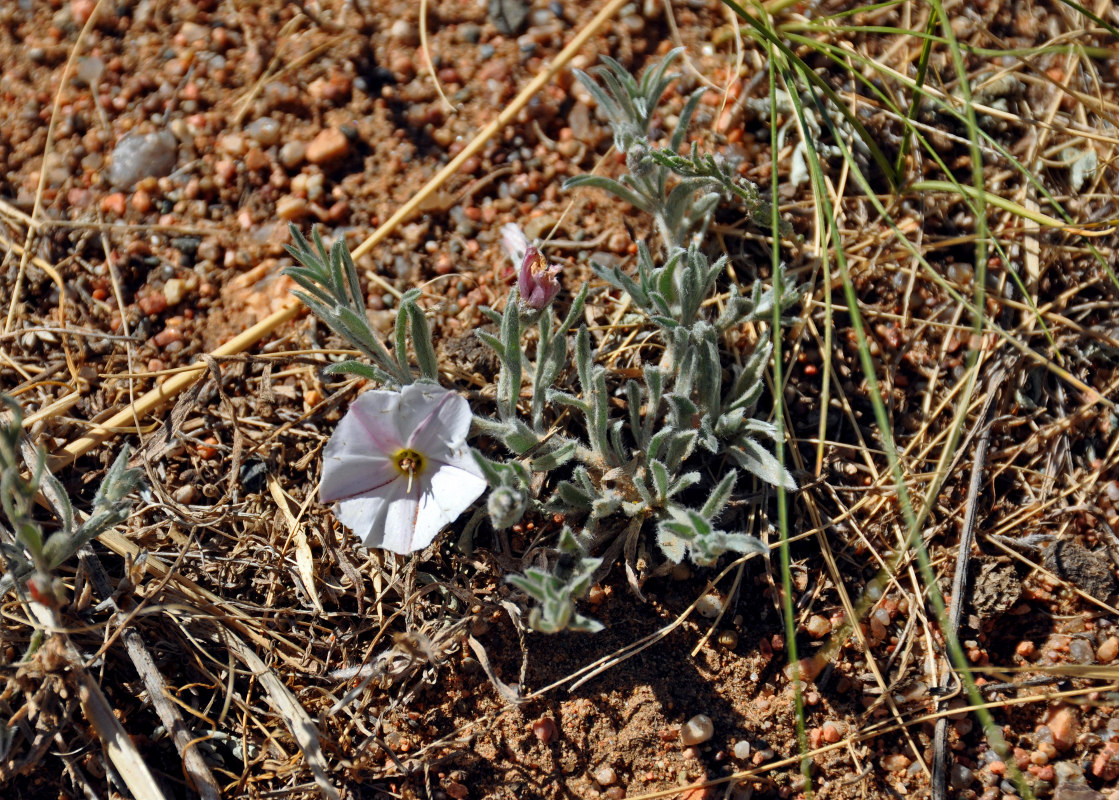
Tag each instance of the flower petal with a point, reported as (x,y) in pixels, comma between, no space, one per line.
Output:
(444,429)
(459,457)
(350,475)
(449,492)
(399,533)
(365,515)
(357,457)
(514,241)
(374,415)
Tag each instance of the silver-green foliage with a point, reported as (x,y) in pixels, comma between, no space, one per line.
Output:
(680,193)
(555,590)
(332,291)
(24,548)
(638,465)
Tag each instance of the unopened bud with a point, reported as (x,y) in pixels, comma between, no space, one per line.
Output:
(506,506)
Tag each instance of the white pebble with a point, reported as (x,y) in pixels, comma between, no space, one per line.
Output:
(138,156)
(606,776)
(742,750)
(697,730)
(173,291)
(710,605)
(265,131)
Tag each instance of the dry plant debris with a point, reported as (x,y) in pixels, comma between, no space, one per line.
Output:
(229,638)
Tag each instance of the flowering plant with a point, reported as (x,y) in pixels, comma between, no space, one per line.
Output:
(661,461)
(398,466)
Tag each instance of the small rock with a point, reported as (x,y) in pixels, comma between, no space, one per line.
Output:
(544,729)
(509,16)
(742,750)
(114,203)
(167,336)
(1108,650)
(1064,725)
(173,291)
(895,762)
(330,145)
(137,156)
(697,730)
(805,669)
(232,144)
(142,201)
(961,777)
(291,208)
(817,626)
(82,10)
(1105,765)
(292,154)
(606,776)
(710,605)
(456,790)
(193,32)
(153,303)
(1081,651)
(265,131)
(256,160)
(404,32)
(831,732)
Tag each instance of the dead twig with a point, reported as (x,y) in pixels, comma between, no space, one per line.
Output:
(959,580)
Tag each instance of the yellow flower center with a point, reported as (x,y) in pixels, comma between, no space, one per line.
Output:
(408,462)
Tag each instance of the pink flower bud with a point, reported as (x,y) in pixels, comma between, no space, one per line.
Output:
(537,283)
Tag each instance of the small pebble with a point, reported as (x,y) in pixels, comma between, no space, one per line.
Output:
(404,32)
(895,762)
(293,153)
(291,208)
(606,776)
(832,732)
(817,626)
(742,750)
(805,669)
(1081,651)
(153,303)
(173,291)
(256,160)
(697,730)
(1064,724)
(1108,650)
(265,131)
(544,729)
(167,336)
(142,201)
(232,144)
(1105,765)
(114,203)
(710,605)
(1026,649)
(330,145)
